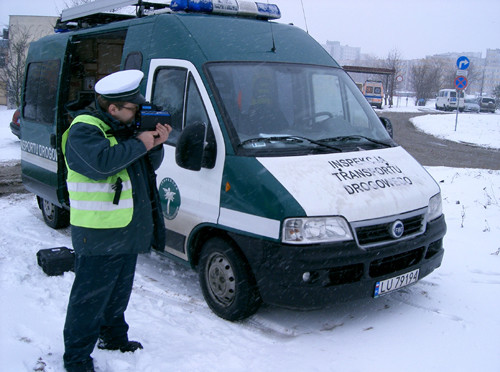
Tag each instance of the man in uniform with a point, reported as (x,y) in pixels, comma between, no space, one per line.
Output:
(115,214)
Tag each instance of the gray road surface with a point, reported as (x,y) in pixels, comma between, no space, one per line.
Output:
(432,151)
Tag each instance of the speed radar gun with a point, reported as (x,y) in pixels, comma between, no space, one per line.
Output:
(149,115)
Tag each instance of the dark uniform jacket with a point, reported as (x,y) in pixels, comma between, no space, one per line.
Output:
(88,152)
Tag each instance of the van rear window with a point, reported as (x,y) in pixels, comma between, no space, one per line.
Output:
(41,91)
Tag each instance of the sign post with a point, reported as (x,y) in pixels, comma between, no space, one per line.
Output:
(399,79)
(461,81)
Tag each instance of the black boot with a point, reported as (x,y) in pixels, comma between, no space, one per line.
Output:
(87,366)
(129,346)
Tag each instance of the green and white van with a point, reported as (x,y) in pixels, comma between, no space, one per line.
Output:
(279,184)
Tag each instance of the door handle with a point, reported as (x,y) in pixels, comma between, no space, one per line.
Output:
(53,141)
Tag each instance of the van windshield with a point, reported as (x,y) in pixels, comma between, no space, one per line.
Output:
(270,106)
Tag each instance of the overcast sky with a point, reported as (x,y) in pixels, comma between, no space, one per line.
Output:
(414,28)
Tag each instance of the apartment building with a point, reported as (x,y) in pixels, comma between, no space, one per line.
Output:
(20,26)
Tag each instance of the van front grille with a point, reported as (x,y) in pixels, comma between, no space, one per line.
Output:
(378,231)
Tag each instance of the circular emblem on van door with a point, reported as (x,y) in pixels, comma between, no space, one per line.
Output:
(170,198)
(397,229)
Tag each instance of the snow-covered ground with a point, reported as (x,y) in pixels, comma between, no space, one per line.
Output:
(449,321)
(480,129)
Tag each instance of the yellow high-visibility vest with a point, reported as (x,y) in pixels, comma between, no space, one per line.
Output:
(91,201)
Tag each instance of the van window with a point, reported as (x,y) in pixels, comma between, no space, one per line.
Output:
(168,92)
(41,91)
(195,111)
(175,91)
(133,61)
(355,113)
(290,107)
(326,90)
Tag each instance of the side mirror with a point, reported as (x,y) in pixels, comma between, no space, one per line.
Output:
(190,147)
(387,125)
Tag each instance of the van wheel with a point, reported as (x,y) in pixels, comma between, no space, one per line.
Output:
(53,216)
(227,282)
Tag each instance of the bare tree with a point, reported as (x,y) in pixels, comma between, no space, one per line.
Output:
(426,79)
(393,61)
(11,74)
(496,93)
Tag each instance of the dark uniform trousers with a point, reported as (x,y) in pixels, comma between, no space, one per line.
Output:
(98,300)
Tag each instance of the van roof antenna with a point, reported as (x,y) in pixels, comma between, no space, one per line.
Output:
(273,49)
(304,13)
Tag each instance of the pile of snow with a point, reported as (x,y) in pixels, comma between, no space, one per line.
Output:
(477,129)
(407,104)
(448,321)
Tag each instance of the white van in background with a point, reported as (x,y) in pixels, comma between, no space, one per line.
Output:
(447,100)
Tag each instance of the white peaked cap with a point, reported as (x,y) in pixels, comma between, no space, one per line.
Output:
(121,86)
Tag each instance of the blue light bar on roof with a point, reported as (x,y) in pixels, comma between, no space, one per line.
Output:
(231,7)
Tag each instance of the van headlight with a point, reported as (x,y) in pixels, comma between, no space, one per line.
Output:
(315,230)
(435,208)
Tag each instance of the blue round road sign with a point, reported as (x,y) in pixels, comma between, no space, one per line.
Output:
(463,63)
(461,82)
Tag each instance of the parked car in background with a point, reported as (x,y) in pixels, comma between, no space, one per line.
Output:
(471,105)
(487,104)
(15,124)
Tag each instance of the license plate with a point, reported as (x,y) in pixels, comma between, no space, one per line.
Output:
(386,286)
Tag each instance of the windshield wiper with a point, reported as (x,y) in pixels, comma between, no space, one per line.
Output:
(288,138)
(355,137)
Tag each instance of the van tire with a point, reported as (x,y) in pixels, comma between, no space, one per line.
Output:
(226,281)
(54,216)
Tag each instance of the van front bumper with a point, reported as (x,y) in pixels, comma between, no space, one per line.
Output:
(314,276)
